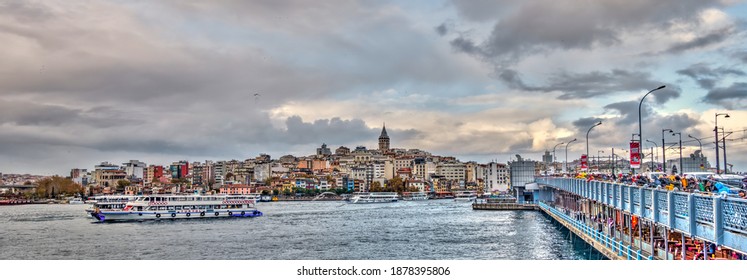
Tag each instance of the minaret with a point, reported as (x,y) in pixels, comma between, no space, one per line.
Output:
(383,140)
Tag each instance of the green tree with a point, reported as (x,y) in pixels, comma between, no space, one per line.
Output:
(122,184)
(52,186)
(265,192)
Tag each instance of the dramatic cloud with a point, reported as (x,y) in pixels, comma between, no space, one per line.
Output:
(699,42)
(594,84)
(527,27)
(83,82)
(706,77)
(441,29)
(732,97)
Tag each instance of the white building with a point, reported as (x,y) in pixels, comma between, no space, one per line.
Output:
(451,171)
(496,177)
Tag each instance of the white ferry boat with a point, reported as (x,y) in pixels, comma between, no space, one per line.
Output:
(181,207)
(108,203)
(75,200)
(373,197)
(414,196)
(465,196)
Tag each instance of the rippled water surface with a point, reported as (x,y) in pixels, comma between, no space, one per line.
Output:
(435,229)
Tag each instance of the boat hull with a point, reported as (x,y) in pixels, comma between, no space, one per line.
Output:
(123,216)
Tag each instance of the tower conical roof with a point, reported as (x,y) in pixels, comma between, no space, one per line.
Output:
(383,132)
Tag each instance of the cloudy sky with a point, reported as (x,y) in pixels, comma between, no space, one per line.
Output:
(88,81)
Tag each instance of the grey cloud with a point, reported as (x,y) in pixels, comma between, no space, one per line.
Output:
(483,10)
(676,122)
(466,46)
(325,130)
(32,114)
(594,84)
(583,124)
(728,97)
(441,29)
(702,41)
(707,77)
(529,26)
(629,111)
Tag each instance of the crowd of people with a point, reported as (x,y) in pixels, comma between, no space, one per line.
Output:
(671,182)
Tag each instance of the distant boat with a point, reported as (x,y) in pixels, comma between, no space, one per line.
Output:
(75,200)
(265,198)
(373,197)
(414,196)
(465,196)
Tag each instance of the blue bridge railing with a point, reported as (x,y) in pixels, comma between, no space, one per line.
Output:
(622,250)
(717,219)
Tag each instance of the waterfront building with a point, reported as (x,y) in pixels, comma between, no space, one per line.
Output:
(263,158)
(423,169)
(420,185)
(404,173)
(134,169)
(469,171)
(79,176)
(342,151)
(323,151)
(547,158)
(402,162)
(179,169)
(262,172)
(219,170)
(496,177)
(197,174)
(108,178)
(451,171)
(695,162)
(287,159)
(383,140)
(236,189)
(521,173)
(153,174)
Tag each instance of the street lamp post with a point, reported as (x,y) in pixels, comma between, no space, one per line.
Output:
(681,169)
(565,166)
(640,127)
(723,139)
(715,130)
(699,143)
(587,141)
(701,150)
(657,154)
(553,155)
(664,150)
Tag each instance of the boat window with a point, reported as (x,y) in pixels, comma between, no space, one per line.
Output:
(170,208)
(161,207)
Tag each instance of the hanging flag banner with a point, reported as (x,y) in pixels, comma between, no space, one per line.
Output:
(635,154)
(584,163)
